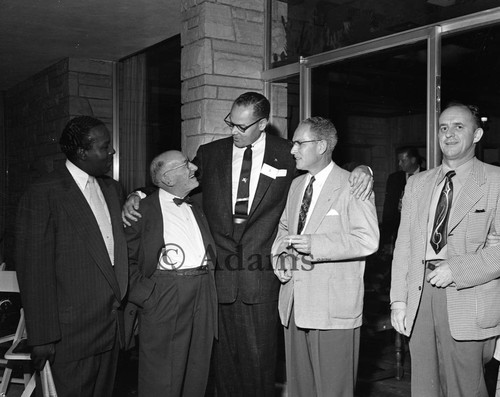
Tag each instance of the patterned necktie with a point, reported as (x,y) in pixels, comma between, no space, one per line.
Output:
(243,196)
(99,209)
(306,203)
(440,228)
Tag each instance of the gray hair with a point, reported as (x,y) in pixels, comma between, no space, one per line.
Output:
(323,129)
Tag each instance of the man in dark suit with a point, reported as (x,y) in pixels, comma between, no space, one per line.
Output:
(409,163)
(245,180)
(171,256)
(71,260)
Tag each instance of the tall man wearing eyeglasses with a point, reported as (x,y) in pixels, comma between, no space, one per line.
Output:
(245,180)
(445,291)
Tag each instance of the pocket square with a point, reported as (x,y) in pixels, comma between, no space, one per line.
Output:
(332,212)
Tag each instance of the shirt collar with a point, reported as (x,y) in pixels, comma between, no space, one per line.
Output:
(321,176)
(461,172)
(259,142)
(166,196)
(80,176)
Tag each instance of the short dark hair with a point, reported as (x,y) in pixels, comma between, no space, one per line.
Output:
(324,129)
(411,151)
(261,106)
(473,109)
(76,135)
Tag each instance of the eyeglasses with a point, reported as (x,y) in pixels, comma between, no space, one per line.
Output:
(300,143)
(184,164)
(241,128)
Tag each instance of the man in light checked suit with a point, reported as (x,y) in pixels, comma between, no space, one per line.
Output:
(448,302)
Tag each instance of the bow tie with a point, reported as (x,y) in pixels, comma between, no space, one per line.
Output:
(179,201)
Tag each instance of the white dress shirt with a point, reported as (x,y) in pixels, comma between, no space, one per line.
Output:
(81,178)
(319,181)
(258,149)
(181,235)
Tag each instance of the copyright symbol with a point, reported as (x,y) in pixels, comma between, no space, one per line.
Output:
(171,257)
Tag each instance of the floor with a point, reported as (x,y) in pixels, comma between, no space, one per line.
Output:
(377,353)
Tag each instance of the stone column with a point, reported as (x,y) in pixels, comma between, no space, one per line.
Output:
(222,57)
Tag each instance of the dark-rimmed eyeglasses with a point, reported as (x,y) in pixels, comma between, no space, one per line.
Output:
(184,164)
(241,128)
(300,143)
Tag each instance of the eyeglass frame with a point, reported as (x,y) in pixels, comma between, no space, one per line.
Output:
(300,143)
(184,164)
(240,128)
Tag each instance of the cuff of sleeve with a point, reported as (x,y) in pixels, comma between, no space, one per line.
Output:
(398,305)
(137,193)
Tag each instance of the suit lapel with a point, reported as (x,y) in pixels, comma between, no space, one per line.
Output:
(121,260)
(426,188)
(470,194)
(224,174)
(324,202)
(85,224)
(208,241)
(295,203)
(153,227)
(264,180)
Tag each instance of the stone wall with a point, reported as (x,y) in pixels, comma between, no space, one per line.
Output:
(36,112)
(222,57)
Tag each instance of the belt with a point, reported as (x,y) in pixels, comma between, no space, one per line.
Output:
(195,271)
(433,263)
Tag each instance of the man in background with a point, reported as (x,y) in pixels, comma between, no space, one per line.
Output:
(409,163)
(71,261)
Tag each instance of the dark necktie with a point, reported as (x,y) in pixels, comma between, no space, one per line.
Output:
(179,201)
(440,228)
(243,195)
(306,203)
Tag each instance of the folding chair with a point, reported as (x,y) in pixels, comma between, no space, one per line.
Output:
(8,283)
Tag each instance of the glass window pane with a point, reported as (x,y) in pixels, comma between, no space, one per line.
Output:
(378,105)
(309,27)
(469,67)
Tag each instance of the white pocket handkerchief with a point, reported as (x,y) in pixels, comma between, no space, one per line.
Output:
(332,212)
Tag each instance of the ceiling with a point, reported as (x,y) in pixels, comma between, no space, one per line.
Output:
(37,33)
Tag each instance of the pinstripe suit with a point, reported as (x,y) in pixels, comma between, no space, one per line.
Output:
(71,293)
(473,304)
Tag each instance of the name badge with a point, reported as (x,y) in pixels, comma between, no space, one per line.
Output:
(269,171)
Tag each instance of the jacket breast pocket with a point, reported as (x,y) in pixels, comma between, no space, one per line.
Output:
(478,226)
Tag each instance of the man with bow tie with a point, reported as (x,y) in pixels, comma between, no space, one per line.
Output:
(171,258)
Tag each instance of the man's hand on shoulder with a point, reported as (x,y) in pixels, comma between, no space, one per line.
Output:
(361,180)
(130,209)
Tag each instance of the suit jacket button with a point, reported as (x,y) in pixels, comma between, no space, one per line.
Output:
(420,288)
(131,312)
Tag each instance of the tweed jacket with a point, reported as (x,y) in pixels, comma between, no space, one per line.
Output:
(474,301)
(327,289)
